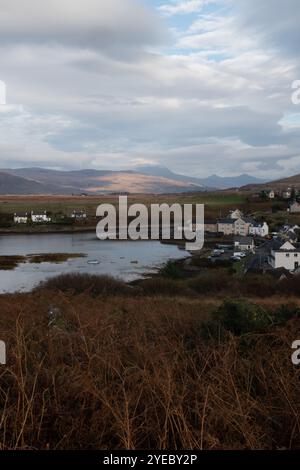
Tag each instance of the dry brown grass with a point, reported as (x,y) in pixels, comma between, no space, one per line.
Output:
(131,373)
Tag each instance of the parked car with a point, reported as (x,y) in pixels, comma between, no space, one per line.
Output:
(218,252)
(239,254)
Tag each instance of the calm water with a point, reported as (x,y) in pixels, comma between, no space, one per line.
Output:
(114,257)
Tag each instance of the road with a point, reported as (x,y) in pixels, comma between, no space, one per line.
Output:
(260,258)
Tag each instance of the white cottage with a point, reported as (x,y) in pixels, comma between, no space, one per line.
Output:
(79,215)
(40,217)
(284,255)
(259,229)
(20,218)
(244,243)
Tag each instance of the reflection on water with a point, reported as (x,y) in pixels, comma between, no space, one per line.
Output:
(128,260)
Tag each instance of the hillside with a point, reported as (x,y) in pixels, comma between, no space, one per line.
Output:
(12,184)
(291,181)
(143,179)
(43,181)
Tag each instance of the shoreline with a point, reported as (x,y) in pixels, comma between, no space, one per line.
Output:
(47,231)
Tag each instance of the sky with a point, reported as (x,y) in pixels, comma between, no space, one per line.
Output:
(199,86)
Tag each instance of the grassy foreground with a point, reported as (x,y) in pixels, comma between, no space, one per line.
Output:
(118,369)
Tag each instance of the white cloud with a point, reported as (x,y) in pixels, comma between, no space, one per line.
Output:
(184,6)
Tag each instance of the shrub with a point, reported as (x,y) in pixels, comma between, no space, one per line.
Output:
(162,286)
(222,263)
(201,262)
(211,282)
(171,270)
(290,286)
(207,263)
(277,207)
(258,285)
(286,312)
(95,285)
(239,317)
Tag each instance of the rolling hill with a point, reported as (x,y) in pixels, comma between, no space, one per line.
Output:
(145,179)
(13,184)
(291,181)
(43,181)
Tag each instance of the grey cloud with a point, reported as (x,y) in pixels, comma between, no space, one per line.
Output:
(110,25)
(95,95)
(276,22)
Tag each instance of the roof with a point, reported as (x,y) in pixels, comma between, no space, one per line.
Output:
(244,240)
(210,222)
(281,273)
(227,221)
(249,220)
(254,223)
(292,235)
(284,246)
(275,244)
(21,214)
(236,210)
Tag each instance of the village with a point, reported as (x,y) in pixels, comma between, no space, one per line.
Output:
(43,217)
(241,238)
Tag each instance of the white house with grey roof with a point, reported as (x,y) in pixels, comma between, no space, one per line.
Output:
(20,217)
(284,255)
(243,243)
(259,229)
(79,215)
(40,217)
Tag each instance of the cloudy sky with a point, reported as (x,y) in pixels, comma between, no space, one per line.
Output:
(200,86)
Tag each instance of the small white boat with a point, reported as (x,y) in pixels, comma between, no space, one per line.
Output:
(93,261)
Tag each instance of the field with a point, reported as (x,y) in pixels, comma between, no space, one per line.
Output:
(216,203)
(118,371)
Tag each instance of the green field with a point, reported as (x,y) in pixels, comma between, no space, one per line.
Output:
(65,205)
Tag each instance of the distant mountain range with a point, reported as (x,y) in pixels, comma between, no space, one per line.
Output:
(214,181)
(143,179)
